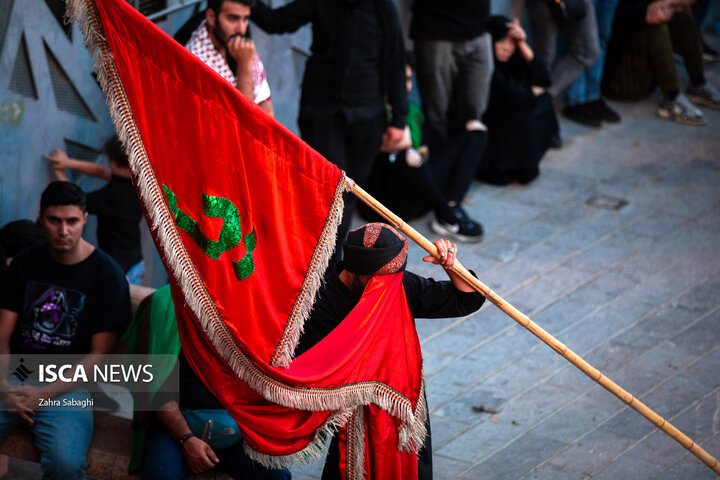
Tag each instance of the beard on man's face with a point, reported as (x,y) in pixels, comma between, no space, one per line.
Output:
(222,36)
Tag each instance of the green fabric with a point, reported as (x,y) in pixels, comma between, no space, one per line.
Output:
(415,120)
(152,331)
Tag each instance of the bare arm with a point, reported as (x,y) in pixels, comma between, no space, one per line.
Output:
(60,161)
(243,51)
(267,106)
(448,253)
(198,454)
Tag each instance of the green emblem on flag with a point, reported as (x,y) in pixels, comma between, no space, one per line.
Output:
(230,235)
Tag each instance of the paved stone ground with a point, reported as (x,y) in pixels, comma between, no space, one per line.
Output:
(635,292)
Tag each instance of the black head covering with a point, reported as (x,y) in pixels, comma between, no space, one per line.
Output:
(375,249)
(497,26)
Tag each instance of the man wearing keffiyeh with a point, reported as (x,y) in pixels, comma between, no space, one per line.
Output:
(378,249)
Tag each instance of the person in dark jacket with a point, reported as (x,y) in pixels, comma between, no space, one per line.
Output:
(520,116)
(357,63)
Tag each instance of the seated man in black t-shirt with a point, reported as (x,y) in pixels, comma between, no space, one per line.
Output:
(63,297)
(116,205)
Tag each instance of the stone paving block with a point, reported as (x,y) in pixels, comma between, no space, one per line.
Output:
(700,338)
(434,362)
(505,348)
(709,363)
(611,357)
(657,224)
(485,323)
(572,379)
(451,343)
(664,361)
(603,402)
(629,240)
(686,176)
(659,448)
(675,313)
(703,420)
(468,372)
(592,453)
(480,441)
(448,468)
(444,429)
(619,314)
(701,297)
(548,472)
(515,460)
(535,405)
(692,468)
(565,214)
(463,407)
(597,258)
(629,468)
(585,334)
(537,259)
(554,181)
(666,404)
(647,334)
(635,380)
(549,287)
(428,326)
(511,381)
(311,471)
(603,289)
(692,382)
(596,170)
(502,249)
(709,221)
(440,389)
(561,314)
(582,234)
(690,203)
(530,232)
(542,359)
(628,423)
(572,422)
(499,215)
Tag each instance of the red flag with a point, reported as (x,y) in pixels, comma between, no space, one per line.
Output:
(244,215)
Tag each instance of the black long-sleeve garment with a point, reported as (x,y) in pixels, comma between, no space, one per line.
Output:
(357,56)
(427,298)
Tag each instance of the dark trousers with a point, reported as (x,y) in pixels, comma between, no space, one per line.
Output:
(352,147)
(453,166)
(647,59)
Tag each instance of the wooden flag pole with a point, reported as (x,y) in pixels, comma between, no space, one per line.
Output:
(539,332)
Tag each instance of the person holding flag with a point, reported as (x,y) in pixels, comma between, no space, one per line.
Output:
(377,249)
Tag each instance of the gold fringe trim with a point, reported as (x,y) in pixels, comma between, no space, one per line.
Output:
(198,299)
(319,263)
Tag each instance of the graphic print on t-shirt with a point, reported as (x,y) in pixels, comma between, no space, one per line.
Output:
(50,315)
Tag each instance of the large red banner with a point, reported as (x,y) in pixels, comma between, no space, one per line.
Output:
(244,216)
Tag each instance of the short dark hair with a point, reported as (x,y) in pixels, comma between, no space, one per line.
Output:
(114,150)
(62,193)
(216,5)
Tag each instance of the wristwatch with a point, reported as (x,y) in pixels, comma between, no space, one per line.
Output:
(184,438)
